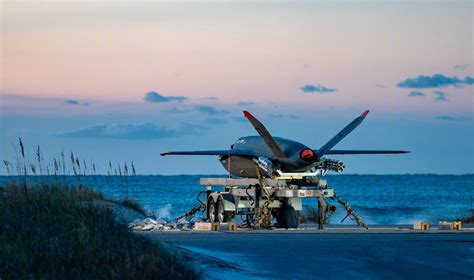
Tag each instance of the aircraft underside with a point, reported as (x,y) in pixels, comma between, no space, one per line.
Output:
(239,166)
(246,167)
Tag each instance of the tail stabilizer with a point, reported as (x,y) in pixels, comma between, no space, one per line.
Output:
(343,133)
(364,152)
(266,136)
(210,153)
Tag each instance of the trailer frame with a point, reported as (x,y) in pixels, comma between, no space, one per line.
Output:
(252,196)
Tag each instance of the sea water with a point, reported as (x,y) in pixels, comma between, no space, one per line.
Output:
(378,199)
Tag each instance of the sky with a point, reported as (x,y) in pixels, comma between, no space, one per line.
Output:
(124,81)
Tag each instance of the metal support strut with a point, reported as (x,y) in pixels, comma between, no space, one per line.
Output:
(350,212)
(321,213)
(263,217)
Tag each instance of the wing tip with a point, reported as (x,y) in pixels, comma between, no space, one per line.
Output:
(365,113)
(163,154)
(248,115)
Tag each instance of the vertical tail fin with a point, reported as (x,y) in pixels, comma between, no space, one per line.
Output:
(343,133)
(260,128)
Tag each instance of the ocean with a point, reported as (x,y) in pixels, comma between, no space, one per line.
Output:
(378,199)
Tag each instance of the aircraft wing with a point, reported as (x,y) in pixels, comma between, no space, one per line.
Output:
(363,152)
(211,153)
(343,133)
(260,128)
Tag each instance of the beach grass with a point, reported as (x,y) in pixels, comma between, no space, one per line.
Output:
(51,231)
(468,219)
(132,204)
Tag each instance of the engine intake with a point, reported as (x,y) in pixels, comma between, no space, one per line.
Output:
(308,155)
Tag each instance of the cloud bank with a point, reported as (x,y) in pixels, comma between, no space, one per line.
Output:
(440,96)
(279,116)
(245,103)
(447,118)
(462,66)
(155,97)
(318,88)
(209,110)
(416,93)
(469,80)
(132,131)
(435,81)
(74,102)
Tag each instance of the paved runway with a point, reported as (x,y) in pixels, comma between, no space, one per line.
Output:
(333,253)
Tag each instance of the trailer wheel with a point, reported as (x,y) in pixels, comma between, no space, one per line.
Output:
(222,215)
(211,211)
(287,216)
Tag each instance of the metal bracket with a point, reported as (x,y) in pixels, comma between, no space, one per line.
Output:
(292,175)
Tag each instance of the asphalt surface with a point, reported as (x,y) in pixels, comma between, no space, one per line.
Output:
(333,253)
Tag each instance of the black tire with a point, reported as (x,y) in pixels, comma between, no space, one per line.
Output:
(222,215)
(211,211)
(287,217)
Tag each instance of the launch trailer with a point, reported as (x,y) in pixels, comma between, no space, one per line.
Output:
(258,200)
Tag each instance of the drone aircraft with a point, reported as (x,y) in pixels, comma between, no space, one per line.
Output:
(278,156)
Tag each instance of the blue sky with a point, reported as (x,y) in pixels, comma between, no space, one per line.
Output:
(127,81)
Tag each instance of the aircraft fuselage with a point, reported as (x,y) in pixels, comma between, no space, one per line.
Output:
(272,154)
(244,167)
